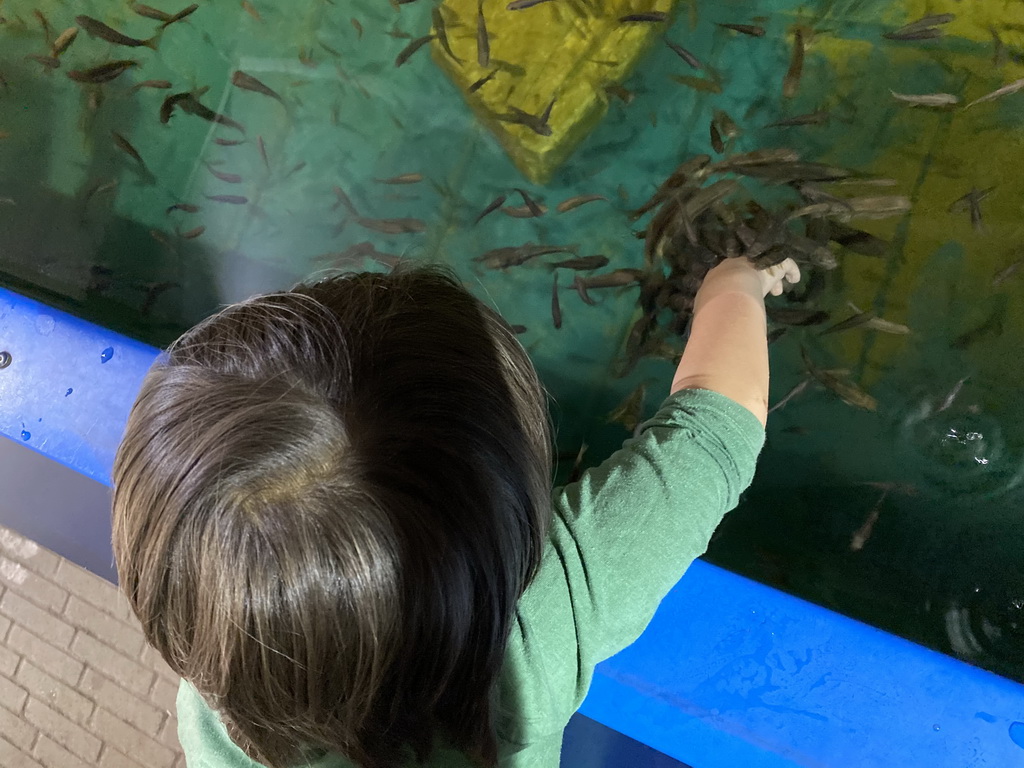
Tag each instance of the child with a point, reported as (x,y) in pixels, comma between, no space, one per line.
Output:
(333,518)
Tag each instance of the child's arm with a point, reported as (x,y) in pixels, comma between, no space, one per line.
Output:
(727,351)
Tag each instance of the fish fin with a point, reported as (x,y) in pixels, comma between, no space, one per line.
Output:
(154,41)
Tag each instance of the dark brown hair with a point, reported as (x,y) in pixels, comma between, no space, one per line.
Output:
(327,504)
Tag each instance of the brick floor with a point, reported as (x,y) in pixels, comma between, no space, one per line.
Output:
(78,686)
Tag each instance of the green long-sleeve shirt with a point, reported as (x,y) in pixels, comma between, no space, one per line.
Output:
(620,539)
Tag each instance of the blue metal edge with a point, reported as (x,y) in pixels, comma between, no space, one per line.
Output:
(729,672)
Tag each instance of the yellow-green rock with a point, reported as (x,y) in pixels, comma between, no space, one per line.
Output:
(563,50)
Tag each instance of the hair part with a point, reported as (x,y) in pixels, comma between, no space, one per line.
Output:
(327,504)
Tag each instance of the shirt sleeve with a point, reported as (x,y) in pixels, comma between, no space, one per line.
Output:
(624,534)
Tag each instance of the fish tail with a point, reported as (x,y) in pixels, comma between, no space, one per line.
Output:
(154,41)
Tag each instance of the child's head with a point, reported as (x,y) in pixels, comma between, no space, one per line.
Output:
(327,504)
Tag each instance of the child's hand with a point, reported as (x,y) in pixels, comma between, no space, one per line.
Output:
(736,272)
(772,277)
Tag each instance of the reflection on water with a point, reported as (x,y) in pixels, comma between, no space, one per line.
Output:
(149,178)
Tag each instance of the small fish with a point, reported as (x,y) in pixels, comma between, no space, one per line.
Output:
(992,324)
(622,94)
(247,82)
(169,103)
(251,10)
(392,226)
(103,73)
(809,118)
(753,30)
(922,29)
(183,13)
(405,178)
(854,321)
(483,43)
(538,125)
(577,466)
(556,308)
(1006,273)
(849,393)
(861,535)
(1006,90)
(857,240)
(357,27)
(126,146)
(517,255)
(194,233)
(620,278)
(947,401)
(684,54)
(577,201)
(232,199)
(47,32)
(972,203)
(152,84)
(524,211)
(230,178)
(494,205)
(228,142)
(652,18)
(411,48)
(481,82)
(344,200)
(629,412)
(522,5)
(441,30)
(263,151)
(716,139)
(50,62)
(698,83)
(185,207)
(150,12)
(535,209)
(791,81)
(64,41)
(583,263)
(96,28)
(193,106)
(926,99)
(794,392)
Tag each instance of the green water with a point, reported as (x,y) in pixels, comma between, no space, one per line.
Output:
(942,564)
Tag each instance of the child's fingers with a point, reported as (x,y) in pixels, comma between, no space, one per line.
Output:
(792,271)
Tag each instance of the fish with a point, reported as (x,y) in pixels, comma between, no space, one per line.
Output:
(878,207)
(247,82)
(794,392)
(926,99)
(518,329)
(126,146)
(441,30)
(575,202)
(797,316)
(517,255)
(861,535)
(411,48)
(684,54)
(232,199)
(947,401)
(193,106)
(405,178)
(922,29)
(522,5)
(535,209)
(95,28)
(64,41)
(392,226)
(791,81)
(228,142)
(481,82)
(102,73)
(849,393)
(47,32)
(50,62)
(251,10)
(577,466)
(263,151)
(230,178)
(150,12)
(357,27)
(152,84)
(716,139)
(494,205)
(857,240)
(809,118)
(183,13)
(583,263)
(622,94)
(652,17)
(620,278)
(194,233)
(556,309)
(525,211)
(698,83)
(752,30)
(992,324)
(726,124)
(185,207)
(483,43)
(169,103)
(154,291)
(1006,273)
(343,200)
(537,124)
(629,412)
(1006,90)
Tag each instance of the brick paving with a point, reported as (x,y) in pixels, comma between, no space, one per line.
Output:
(78,685)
